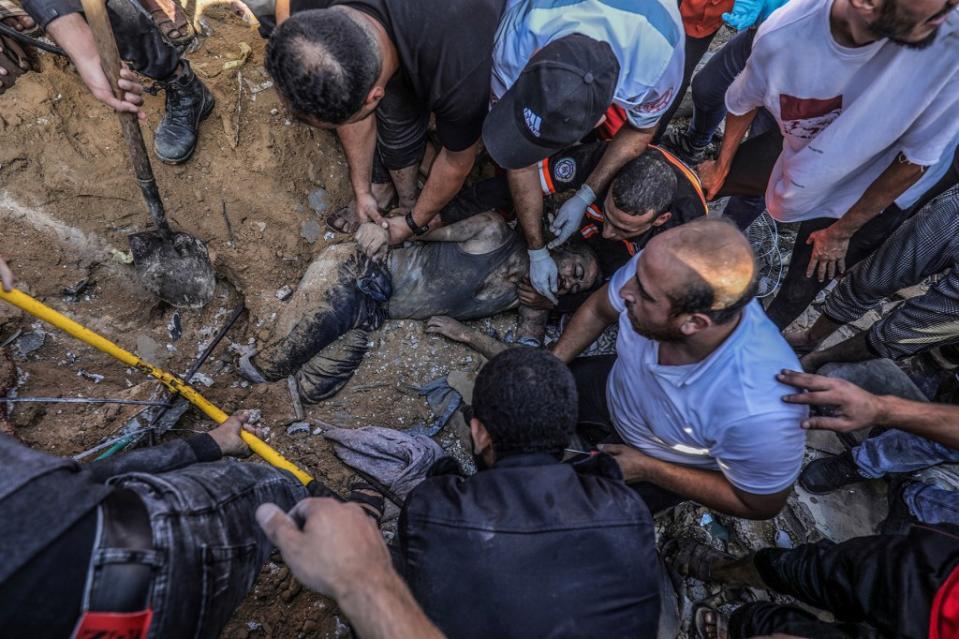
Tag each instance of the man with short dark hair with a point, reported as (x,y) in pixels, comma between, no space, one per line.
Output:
(530,546)
(650,194)
(560,70)
(335,67)
(692,390)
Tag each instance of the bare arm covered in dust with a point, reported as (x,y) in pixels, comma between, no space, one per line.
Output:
(531,328)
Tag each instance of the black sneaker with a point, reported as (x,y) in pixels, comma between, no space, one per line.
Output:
(678,142)
(832,473)
(187,102)
(899,519)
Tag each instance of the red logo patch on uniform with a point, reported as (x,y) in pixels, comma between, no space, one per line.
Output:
(658,104)
(114,625)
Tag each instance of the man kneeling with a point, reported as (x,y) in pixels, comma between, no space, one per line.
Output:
(529,546)
(466,270)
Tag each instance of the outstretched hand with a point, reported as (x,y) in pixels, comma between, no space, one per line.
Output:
(330,547)
(447,327)
(373,239)
(853,407)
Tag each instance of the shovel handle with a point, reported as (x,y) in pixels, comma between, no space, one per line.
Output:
(96,15)
(41,311)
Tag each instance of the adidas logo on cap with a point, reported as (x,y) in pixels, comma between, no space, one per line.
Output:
(533,121)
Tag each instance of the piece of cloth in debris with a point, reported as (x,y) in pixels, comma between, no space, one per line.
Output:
(443,400)
(396,459)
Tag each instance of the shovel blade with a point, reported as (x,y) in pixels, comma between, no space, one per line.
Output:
(175,267)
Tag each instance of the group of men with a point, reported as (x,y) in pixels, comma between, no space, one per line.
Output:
(839,116)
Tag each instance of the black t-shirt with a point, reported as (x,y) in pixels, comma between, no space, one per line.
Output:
(446,50)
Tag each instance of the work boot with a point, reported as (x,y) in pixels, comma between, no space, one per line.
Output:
(679,143)
(832,473)
(187,102)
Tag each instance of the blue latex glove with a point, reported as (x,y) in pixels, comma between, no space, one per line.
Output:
(543,274)
(745,13)
(748,13)
(571,215)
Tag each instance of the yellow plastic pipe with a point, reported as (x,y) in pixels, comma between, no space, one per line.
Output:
(41,311)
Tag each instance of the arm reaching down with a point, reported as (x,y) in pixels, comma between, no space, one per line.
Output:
(588,323)
(857,408)
(337,550)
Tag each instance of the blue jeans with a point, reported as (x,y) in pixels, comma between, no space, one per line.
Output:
(896,451)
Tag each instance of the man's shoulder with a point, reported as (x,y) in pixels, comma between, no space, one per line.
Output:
(517,499)
(795,14)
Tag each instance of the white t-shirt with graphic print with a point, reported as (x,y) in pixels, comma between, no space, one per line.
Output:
(845,113)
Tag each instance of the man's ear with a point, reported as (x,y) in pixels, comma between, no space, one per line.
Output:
(695,323)
(662,218)
(482,442)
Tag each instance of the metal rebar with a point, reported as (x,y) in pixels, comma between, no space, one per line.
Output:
(83,400)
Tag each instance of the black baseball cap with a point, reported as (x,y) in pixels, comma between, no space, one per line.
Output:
(563,91)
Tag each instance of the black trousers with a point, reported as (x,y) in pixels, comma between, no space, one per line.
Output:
(595,424)
(882,585)
(695,49)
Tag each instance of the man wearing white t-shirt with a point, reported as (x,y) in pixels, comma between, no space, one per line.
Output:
(692,389)
(561,69)
(865,94)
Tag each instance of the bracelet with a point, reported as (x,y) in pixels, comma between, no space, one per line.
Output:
(417,230)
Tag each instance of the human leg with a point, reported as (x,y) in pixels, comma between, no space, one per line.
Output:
(931,504)
(887,581)
(401,127)
(204,526)
(695,49)
(798,291)
(763,618)
(749,176)
(896,451)
(591,374)
(342,289)
(711,83)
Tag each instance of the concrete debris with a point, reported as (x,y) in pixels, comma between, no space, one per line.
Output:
(29,342)
(310,231)
(284,293)
(319,200)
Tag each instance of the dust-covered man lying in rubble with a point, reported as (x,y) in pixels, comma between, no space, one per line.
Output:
(467,270)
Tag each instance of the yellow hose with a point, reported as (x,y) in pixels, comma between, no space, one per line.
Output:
(41,311)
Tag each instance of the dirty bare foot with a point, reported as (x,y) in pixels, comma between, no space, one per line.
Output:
(710,623)
(170,19)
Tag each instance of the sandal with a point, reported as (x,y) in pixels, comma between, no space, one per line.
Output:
(170,19)
(691,558)
(716,627)
(367,497)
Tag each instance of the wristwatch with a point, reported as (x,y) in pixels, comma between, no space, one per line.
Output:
(417,230)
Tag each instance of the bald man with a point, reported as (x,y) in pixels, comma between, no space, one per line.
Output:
(690,406)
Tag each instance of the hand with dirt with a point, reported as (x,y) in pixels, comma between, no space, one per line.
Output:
(447,327)
(227,434)
(373,239)
(6,276)
(336,550)
(367,209)
(73,34)
(530,297)
(631,462)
